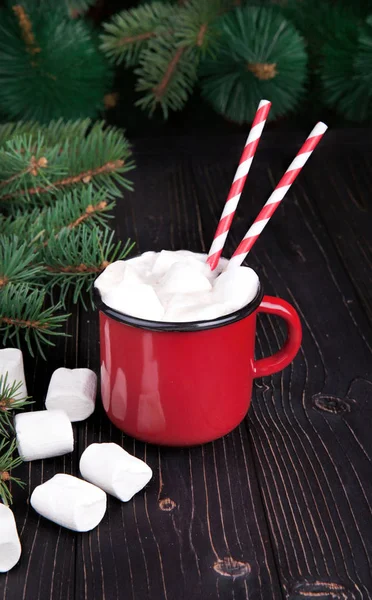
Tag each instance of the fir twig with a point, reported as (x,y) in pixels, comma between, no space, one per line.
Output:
(167,74)
(15,261)
(75,259)
(7,464)
(9,402)
(101,157)
(128,32)
(22,309)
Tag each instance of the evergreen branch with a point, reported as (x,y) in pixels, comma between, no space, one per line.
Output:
(70,210)
(26,29)
(160,89)
(84,177)
(7,464)
(75,258)
(128,32)
(167,74)
(195,23)
(31,168)
(54,133)
(51,65)
(9,402)
(259,55)
(15,261)
(22,312)
(78,7)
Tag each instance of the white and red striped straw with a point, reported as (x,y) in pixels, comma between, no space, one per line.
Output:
(238,183)
(278,194)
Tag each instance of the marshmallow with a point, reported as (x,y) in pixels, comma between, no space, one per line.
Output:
(142,264)
(166,259)
(111,276)
(11,363)
(185,314)
(182,278)
(10,546)
(179,287)
(43,434)
(70,502)
(111,468)
(236,287)
(73,391)
(137,300)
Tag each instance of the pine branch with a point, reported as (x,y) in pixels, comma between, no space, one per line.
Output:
(16,258)
(7,464)
(195,23)
(70,210)
(51,65)
(22,311)
(78,7)
(9,402)
(75,258)
(31,168)
(55,133)
(128,32)
(167,74)
(259,55)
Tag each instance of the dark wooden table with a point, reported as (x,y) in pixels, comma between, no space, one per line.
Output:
(281,507)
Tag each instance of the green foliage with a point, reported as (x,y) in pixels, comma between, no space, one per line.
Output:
(73,260)
(23,312)
(129,32)
(346,70)
(260,55)
(57,188)
(195,23)
(10,400)
(78,6)
(7,464)
(51,65)
(167,74)
(165,42)
(101,157)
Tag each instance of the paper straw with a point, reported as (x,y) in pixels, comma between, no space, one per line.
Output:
(278,195)
(238,183)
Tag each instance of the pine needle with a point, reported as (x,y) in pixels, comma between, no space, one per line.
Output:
(7,464)
(259,55)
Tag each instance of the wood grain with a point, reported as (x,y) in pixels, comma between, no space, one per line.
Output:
(281,507)
(309,424)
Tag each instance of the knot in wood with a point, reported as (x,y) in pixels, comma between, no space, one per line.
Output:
(320,590)
(228,567)
(167,504)
(263,71)
(331,404)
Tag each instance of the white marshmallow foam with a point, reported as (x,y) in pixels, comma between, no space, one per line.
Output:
(176,287)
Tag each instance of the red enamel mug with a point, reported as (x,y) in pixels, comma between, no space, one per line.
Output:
(181,384)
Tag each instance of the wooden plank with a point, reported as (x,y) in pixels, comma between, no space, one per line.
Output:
(198,530)
(309,425)
(47,565)
(344,203)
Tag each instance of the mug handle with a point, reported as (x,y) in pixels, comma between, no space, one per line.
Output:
(281,359)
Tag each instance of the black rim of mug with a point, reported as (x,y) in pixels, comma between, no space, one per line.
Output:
(233,317)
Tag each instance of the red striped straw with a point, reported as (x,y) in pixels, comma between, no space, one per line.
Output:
(238,183)
(278,194)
